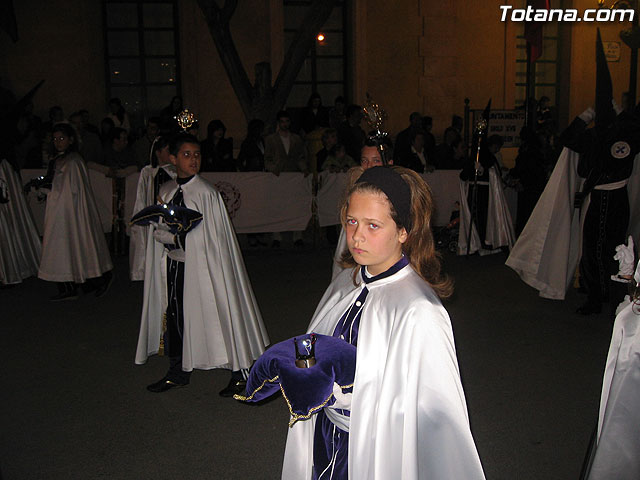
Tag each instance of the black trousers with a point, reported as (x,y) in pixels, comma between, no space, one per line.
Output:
(174,334)
(605,227)
(480,210)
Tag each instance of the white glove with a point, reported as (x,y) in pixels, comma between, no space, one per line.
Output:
(160,226)
(616,108)
(624,255)
(343,400)
(164,236)
(588,115)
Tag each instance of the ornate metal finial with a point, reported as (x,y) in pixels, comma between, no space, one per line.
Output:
(185,119)
(374,115)
(307,359)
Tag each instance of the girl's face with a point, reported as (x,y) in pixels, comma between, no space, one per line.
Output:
(61,141)
(373,237)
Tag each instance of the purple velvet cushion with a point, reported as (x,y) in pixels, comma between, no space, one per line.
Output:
(306,390)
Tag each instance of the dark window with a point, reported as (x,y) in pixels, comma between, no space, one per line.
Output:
(324,69)
(141,55)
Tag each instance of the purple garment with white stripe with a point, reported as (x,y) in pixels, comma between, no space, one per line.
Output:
(330,443)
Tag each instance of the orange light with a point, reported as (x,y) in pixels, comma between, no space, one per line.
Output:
(320,37)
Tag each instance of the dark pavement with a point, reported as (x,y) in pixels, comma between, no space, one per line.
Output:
(74,405)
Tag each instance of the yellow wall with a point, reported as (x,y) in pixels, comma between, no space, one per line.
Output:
(422,55)
(583,70)
(205,85)
(62,43)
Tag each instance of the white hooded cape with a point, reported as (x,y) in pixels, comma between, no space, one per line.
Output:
(74,247)
(19,240)
(548,249)
(409,417)
(499,232)
(618,441)
(223,327)
(138,238)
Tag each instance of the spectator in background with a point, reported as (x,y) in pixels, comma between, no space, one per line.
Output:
(449,155)
(403,139)
(350,134)
(284,151)
(251,156)
(118,115)
(217,151)
(416,158)
(142,147)
(329,140)
(106,126)
(168,122)
(455,130)
(90,146)
(314,114)
(337,113)
(429,139)
(528,176)
(118,155)
(338,161)
(86,121)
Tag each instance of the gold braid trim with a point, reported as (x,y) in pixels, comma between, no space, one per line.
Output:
(164,329)
(295,417)
(242,398)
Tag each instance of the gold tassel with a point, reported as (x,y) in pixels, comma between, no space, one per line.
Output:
(164,329)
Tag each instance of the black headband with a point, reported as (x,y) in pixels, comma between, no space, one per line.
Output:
(395,188)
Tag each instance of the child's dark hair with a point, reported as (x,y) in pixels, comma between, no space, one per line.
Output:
(180,139)
(158,144)
(419,247)
(68,131)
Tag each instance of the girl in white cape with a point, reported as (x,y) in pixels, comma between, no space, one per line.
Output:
(407,416)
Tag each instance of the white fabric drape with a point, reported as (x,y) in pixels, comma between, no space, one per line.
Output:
(618,441)
(74,247)
(223,326)
(20,245)
(499,229)
(408,414)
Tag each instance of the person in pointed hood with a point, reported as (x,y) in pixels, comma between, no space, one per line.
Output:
(607,152)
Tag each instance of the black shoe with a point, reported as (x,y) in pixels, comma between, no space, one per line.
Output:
(275,244)
(102,290)
(298,243)
(589,308)
(66,295)
(235,387)
(164,385)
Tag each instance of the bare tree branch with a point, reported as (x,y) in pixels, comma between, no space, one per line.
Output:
(262,100)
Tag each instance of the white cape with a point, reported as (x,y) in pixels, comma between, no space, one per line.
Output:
(548,250)
(19,240)
(409,417)
(223,327)
(499,231)
(74,247)
(618,441)
(138,238)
